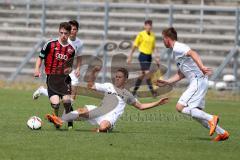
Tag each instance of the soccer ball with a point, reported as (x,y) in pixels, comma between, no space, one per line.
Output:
(34,123)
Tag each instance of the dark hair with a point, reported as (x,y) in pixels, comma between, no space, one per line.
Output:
(148,21)
(171,33)
(74,23)
(66,26)
(124,71)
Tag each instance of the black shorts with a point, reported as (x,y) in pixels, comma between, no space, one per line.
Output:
(58,85)
(145,61)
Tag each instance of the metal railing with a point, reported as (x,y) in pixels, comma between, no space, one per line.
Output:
(232,54)
(39,44)
(107,6)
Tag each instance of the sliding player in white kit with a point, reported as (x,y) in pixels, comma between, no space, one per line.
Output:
(78,45)
(112,106)
(192,101)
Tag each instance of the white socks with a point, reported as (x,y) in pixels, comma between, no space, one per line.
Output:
(70,116)
(219,130)
(197,113)
(202,117)
(43,91)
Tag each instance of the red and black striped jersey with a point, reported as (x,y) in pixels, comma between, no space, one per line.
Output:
(57,57)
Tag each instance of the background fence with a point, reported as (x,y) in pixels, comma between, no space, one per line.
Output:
(213,31)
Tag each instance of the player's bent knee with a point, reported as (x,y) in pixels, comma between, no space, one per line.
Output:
(82,110)
(55,106)
(179,107)
(104,126)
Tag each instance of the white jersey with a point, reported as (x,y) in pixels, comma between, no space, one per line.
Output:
(123,97)
(185,63)
(77,44)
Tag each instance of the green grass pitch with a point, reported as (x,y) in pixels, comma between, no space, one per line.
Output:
(159,133)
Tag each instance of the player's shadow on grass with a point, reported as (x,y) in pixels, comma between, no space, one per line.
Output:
(91,130)
(114,131)
(199,138)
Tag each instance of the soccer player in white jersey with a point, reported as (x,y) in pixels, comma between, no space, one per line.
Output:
(112,107)
(78,45)
(192,101)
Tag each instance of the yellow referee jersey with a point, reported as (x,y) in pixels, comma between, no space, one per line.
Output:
(145,42)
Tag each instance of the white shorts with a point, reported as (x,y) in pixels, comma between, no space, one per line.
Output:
(194,96)
(74,79)
(110,117)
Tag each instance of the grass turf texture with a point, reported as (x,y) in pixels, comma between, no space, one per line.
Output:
(159,133)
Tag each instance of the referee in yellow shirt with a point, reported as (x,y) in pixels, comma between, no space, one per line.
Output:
(145,42)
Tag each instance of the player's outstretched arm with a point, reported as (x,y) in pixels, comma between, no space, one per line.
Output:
(177,77)
(79,61)
(198,61)
(129,59)
(143,106)
(38,64)
(92,77)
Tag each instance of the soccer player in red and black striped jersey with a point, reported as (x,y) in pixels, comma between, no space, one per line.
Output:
(58,57)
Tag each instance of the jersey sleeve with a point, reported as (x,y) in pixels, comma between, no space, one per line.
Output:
(138,40)
(131,99)
(182,49)
(44,50)
(79,50)
(102,87)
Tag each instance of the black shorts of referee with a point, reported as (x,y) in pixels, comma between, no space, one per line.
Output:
(145,61)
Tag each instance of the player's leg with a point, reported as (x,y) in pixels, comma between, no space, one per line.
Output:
(40,91)
(141,59)
(55,103)
(82,113)
(147,65)
(68,107)
(192,99)
(54,98)
(221,133)
(74,84)
(74,92)
(137,84)
(104,123)
(149,82)
(199,114)
(74,115)
(69,117)
(194,112)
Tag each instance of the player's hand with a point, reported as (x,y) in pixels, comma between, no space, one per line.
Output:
(207,71)
(97,69)
(163,101)
(67,70)
(157,60)
(37,73)
(161,83)
(129,60)
(77,73)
